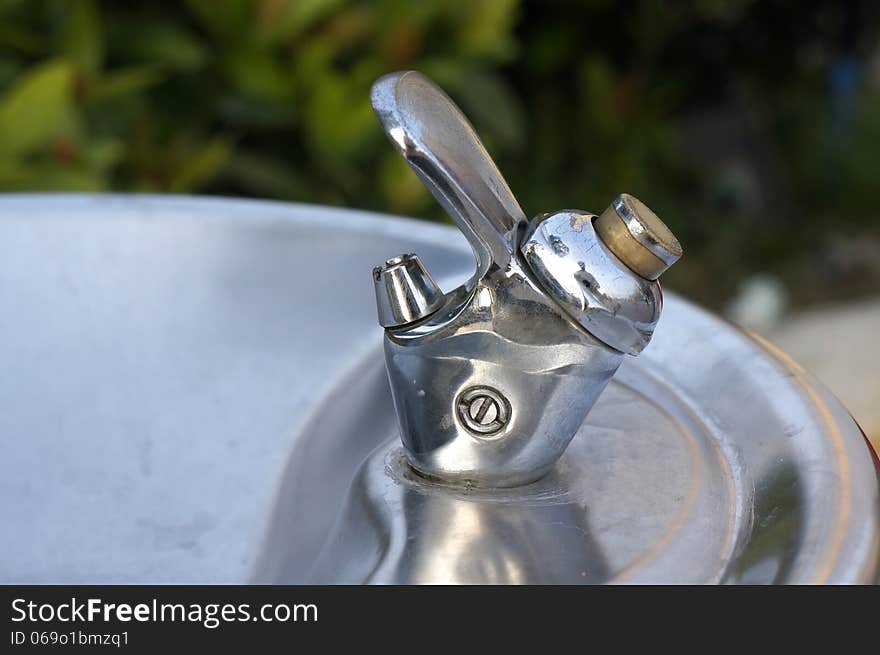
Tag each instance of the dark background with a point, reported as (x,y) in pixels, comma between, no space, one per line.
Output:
(752,128)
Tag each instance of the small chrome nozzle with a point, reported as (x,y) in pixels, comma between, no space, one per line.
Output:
(405,292)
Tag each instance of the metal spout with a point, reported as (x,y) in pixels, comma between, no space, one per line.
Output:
(405,292)
(491,380)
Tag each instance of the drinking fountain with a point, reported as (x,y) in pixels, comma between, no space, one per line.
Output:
(197,390)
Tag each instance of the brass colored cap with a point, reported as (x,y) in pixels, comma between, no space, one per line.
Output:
(638,237)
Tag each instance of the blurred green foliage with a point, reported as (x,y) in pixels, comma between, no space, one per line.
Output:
(577,101)
(256,97)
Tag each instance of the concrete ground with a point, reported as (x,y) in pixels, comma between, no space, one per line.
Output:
(840,345)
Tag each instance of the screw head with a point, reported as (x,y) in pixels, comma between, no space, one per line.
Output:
(483,411)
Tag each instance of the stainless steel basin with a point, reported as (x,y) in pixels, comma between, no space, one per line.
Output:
(193,391)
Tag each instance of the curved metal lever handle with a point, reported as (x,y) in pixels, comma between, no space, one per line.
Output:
(441,146)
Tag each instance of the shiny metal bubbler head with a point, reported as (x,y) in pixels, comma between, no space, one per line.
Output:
(491,380)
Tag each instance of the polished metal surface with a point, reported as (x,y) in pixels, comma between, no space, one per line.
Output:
(638,237)
(592,285)
(534,336)
(505,334)
(405,292)
(163,358)
(712,458)
(441,146)
(173,411)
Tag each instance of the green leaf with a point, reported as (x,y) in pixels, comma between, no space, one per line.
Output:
(493,107)
(167,45)
(124,82)
(7,6)
(227,20)
(487,28)
(259,74)
(280,20)
(49,176)
(9,69)
(82,38)
(200,167)
(339,116)
(403,191)
(13,37)
(104,154)
(262,175)
(250,113)
(13,175)
(36,107)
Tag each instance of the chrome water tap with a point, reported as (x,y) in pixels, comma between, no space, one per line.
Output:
(491,380)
